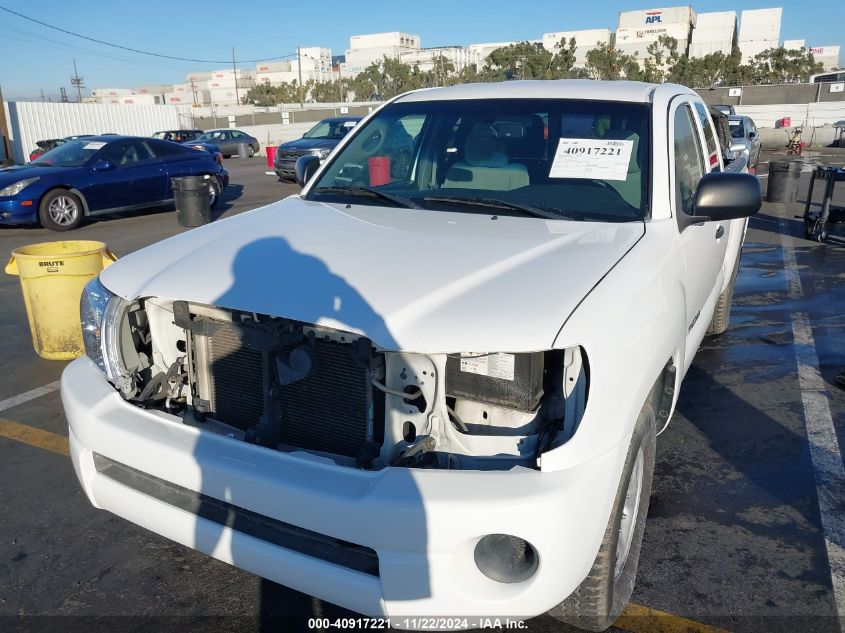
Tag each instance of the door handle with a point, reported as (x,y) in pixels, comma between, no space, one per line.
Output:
(720,231)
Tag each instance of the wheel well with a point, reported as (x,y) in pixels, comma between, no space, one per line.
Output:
(662,394)
(69,188)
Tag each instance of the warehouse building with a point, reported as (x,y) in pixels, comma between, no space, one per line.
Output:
(585,41)
(424,58)
(759,30)
(366,49)
(638,29)
(713,32)
(482,51)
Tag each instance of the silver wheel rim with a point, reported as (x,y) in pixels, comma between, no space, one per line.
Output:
(63,210)
(212,194)
(630,508)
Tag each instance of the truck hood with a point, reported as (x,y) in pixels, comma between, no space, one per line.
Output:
(416,280)
(309,143)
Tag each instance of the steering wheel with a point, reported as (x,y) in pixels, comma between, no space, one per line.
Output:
(376,135)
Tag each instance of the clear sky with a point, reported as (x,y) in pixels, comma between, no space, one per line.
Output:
(33,57)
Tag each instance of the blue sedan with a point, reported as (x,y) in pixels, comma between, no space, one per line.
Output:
(100,174)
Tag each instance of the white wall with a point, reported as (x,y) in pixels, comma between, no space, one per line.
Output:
(813,114)
(36,121)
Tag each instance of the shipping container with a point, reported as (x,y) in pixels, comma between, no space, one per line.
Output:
(656,17)
(702,49)
(134,99)
(760,24)
(154,89)
(178,98)
(275,78)
(793,45)
(110,92)
(827,55)
(754,48)
(224,96)
(678,31)
(589,38)
(198,76)
(271,67)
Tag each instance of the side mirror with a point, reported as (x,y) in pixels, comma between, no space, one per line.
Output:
(306,167)
(103,165)
(752,136)
(727,196)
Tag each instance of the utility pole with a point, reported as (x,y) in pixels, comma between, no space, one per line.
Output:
(43,98)
(76,80)
(235,71)
(4,130)
(64,94)
(340,82)
(299,68)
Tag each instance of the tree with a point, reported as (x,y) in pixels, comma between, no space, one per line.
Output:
(778,65)
(527,60)
(607,62)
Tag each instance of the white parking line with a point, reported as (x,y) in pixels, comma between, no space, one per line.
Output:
(824,446)
(14,401)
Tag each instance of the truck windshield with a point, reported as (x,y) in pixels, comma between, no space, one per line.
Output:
(551,158)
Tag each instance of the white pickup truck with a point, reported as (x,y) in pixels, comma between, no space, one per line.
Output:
(430,384)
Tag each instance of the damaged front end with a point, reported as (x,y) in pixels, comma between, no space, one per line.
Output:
(327,394)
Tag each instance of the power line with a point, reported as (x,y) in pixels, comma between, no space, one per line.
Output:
(135,50)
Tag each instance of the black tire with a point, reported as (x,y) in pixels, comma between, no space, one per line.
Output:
(603,594)
(215,189)
(61,210)
(722,314)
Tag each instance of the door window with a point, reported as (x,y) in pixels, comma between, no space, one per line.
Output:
(127,153)
(238,135)
(709,137)
(689,164)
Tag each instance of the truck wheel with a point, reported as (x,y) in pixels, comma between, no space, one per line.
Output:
(60,210)
(722,314)
(603,594)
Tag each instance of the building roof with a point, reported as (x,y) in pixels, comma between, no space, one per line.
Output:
(535,89)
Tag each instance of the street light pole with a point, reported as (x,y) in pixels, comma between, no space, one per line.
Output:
(299,68)
(235,72)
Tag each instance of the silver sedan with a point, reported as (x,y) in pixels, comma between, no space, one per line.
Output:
(744,132)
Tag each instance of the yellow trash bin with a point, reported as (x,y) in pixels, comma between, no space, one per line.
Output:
(53,275)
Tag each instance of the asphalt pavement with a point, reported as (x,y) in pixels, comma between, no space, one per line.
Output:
(744,529)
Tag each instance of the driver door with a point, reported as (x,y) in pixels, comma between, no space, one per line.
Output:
(703,243)
(137,177)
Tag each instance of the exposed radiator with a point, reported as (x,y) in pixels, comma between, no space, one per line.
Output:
(328,411)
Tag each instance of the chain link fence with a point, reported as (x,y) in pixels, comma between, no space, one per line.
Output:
(773,94)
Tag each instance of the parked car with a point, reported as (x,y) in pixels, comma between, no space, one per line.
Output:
(98,175)
(744,132)
(207,147)
(178,136)
(47,145)
(319,141)
(229,141)
(725,108)
(434,392)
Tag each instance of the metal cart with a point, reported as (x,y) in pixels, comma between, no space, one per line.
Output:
(816,222)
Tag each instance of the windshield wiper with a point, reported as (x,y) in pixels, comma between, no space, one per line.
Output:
(494,203)
(369,192)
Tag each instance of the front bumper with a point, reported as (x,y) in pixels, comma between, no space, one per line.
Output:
(422,524)
(12,210)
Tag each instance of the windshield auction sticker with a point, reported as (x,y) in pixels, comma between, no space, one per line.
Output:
(595,159)
(95,145)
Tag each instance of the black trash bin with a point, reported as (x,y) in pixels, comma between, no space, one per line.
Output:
(784,176)
(193,205)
